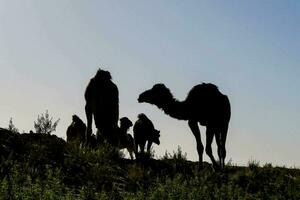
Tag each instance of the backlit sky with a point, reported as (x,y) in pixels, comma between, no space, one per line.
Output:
(50,49)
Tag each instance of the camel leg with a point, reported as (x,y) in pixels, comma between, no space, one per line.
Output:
(149,146)
(218,141)
(89,117)
(142,147)
(223,136)
(208,150)
(130,153)
(136,148)
(196,131)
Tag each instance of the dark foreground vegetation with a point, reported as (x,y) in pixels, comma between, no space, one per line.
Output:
(43,166)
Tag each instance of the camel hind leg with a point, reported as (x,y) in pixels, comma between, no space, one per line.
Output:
(196,131)
(209,139)
(221,141)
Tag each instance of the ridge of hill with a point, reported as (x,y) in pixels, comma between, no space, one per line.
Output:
(46,167)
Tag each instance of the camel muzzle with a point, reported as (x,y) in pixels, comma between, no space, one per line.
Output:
(141,99)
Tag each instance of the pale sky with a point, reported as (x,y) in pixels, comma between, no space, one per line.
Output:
(49,50)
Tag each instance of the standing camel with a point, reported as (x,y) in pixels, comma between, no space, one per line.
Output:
(102,101)
(204,104)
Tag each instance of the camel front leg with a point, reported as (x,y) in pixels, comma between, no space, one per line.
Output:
(130,151)
(196,131)
(136,148)
(149,144)
(142,147)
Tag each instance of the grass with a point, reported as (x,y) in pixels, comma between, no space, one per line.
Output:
(45,167)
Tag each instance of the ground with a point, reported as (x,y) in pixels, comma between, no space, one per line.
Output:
(39,166)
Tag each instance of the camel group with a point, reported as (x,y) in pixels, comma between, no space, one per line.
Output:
(204,105)
(102,105)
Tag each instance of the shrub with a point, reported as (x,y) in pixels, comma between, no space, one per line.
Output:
(12,127)
(44,124)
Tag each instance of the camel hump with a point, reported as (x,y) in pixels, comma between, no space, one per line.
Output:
(207,88)
(203,91)
(206,98)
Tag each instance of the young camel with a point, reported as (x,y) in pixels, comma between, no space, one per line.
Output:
(76,131)
(205,105)
(125,139)
(144,131)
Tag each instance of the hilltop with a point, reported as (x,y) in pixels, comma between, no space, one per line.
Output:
(43,166)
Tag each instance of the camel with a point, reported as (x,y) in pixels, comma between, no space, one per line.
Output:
(102,102)
(76,130)
(125,140)
(144,131)
(205,105)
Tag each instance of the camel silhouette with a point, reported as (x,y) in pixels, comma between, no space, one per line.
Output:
(102,102)
(125,140)
(76,130)
(204,104)
(144,131)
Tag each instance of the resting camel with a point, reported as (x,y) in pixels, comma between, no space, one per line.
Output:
(102,102)
(76,130)
(205,105)
(144,131)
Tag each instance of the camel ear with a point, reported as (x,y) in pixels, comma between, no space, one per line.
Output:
(158,132)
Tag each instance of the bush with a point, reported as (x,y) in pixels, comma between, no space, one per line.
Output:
(44,124)
(12,127)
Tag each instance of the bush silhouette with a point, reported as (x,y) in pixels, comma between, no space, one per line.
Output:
(45,124)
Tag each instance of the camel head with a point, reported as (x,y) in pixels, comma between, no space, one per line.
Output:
(76,119)
(158,95)
(142,116)
(102,75)
(155,137)
(125,123)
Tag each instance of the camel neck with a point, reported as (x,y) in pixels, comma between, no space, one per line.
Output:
(176,109)
(124,129)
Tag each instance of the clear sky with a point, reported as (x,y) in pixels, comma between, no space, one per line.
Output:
(50,49)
